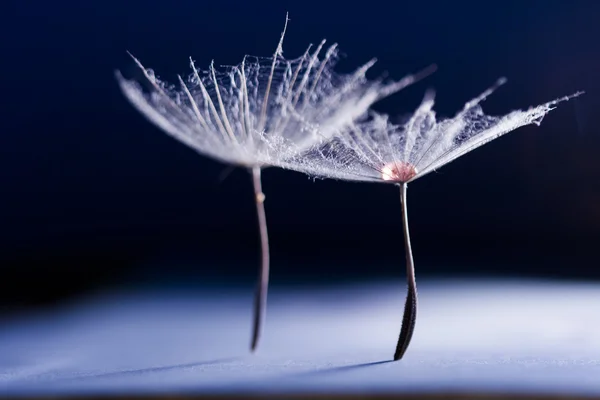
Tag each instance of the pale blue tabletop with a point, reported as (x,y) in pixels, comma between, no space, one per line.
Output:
(471,336)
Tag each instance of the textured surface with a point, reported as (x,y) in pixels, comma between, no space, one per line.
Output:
(476,336)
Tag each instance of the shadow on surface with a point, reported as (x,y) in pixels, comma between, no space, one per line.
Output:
(333,370)
(142,371)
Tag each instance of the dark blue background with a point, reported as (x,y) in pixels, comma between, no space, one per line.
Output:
(93,195)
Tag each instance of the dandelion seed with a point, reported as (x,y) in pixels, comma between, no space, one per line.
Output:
(256,114)
(376,150)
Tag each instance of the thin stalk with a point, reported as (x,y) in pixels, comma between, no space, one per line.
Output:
(260,299)
(410,307)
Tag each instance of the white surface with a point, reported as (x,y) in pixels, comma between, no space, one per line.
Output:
(470,336)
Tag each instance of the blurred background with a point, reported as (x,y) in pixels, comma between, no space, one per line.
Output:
(94,197)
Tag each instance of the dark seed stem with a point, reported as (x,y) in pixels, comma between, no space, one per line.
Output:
(260,299)
(410,307)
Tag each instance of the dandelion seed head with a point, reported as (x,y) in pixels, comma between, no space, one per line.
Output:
(376,150)
(263,110)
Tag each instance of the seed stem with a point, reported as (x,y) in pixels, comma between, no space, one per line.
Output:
(260,299)
(410,307)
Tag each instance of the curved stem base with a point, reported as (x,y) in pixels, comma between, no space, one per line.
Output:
(409,320)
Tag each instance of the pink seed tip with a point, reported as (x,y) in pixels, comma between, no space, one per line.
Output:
(398,171)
